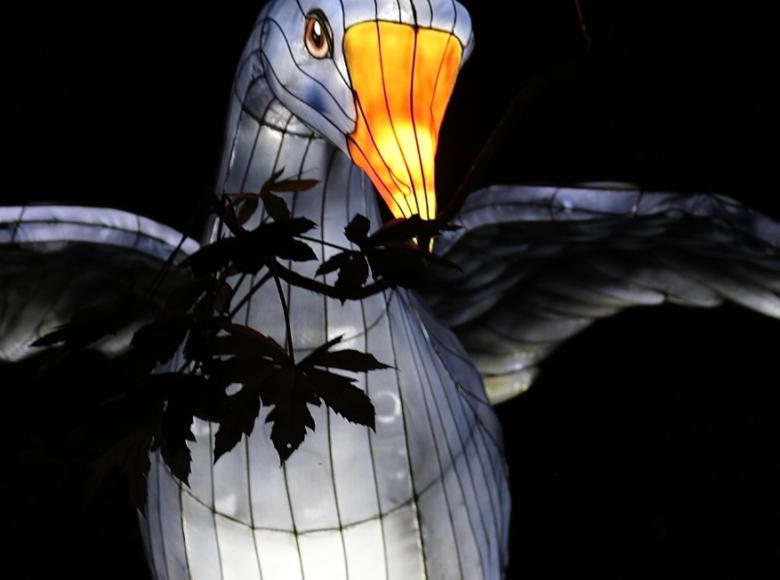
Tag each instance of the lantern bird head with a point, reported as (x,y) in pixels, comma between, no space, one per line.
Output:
(372,76)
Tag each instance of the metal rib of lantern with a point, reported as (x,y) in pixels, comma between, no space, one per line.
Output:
(403,77)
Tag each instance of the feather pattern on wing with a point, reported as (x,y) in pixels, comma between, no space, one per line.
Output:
(540,264)
(57,260)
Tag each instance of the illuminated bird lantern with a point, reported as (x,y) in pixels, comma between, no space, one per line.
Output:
(335,92)
(352,93)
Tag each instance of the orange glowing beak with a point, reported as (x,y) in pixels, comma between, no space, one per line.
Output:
(402,77)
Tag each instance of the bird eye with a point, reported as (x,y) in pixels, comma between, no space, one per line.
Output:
(317,36)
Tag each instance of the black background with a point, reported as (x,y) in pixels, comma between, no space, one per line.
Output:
(648,446)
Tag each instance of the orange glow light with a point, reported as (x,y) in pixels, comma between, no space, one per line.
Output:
(403,78)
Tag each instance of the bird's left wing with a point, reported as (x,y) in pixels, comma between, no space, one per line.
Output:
(540,264)
(58,260)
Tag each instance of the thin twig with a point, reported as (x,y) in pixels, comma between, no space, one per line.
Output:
(324,243)
(296,279)
(248,296)
(286,311)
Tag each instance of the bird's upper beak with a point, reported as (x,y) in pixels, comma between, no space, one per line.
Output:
(402,77)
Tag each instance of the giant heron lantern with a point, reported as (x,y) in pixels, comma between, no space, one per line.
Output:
(337,91)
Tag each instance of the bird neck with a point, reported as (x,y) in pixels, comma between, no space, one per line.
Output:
(262,139)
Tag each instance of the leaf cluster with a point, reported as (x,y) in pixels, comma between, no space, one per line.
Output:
(190,360)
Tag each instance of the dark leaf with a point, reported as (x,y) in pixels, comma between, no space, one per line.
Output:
(332,264)
(353,273)
(290,416)
(408,230)
(292,185)
(357,230)
(268,185)
(227,213)
(296,251)
(185,296)
(129,455)
(238,198)
(275,206)
(348,360)
(273,239)
(399,230)
(338,393)
(248,208)
(223,294)
(211,258)
(298,226)
(317,352)
(405,265)
(176,430)
(161,339)
(249,343)
(243,408)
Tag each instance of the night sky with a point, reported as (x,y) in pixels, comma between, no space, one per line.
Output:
(648,446)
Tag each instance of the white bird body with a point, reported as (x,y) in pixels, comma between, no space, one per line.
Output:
(425,496)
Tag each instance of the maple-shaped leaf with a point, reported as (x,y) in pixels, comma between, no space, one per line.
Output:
(290,416)
(348,360)
(341,395)
(239,420)
(175,432)
(352,268)
(357,230)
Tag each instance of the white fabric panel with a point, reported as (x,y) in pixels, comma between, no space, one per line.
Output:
(323,555)
(152,521)
(246,136)
(279,555)
(267,480)
(238,554)
(365,547)
(390,442)
(201,476)
(231,491)
(310,479)
(201,540)
(53,223)
(405,559)
(170,501)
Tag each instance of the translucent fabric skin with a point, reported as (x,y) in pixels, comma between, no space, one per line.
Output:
(425,496)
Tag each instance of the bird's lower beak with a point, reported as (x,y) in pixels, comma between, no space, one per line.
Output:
(402,77)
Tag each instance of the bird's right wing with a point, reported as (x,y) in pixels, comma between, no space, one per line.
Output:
(540,264)
(58,260)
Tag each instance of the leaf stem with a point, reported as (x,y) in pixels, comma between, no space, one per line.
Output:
(296,279)
(285,308)
(249,294)
(324,243)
